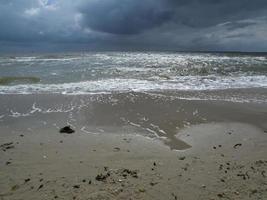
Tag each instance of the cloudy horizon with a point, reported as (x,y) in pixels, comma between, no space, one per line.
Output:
(182,25)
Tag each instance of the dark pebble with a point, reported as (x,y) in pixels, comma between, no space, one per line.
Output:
(66,129)
(8,163)
(182,158)
(116,149)
(40,187)
(254,191)
(27,180)
(237,145)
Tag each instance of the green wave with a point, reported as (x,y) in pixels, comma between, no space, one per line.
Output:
(13,80)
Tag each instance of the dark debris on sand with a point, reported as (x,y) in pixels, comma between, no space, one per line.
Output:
(6,146)
(67,130)
(237,145)
(102,177)
(125,173)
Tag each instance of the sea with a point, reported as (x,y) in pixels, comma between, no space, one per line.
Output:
(109,72)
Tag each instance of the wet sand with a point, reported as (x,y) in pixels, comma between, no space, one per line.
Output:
(131,146)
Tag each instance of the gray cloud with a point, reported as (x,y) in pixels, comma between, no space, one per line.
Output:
(134,24)
(125,17)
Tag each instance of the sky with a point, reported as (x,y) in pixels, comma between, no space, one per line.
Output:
(182,25)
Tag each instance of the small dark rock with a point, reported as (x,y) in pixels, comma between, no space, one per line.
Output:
(154,164)
(21,135)
(182,158)
(27,180)
(253,191)
(90,182)
(214,147)
(8,163)
(40,187)
(76,186)
(66,129)
(237,145)
(116,149)
(153,183)
(184,168)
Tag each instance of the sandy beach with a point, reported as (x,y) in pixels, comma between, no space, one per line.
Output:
(131,146)
(133,100)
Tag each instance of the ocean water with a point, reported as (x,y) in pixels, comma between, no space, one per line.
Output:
(108,72)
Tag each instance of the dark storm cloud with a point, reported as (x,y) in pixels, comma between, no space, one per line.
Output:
(127,16)
(135,24)
(134,16)
(205,13)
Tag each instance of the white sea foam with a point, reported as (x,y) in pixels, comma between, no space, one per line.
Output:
(184,83)
(40,59)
